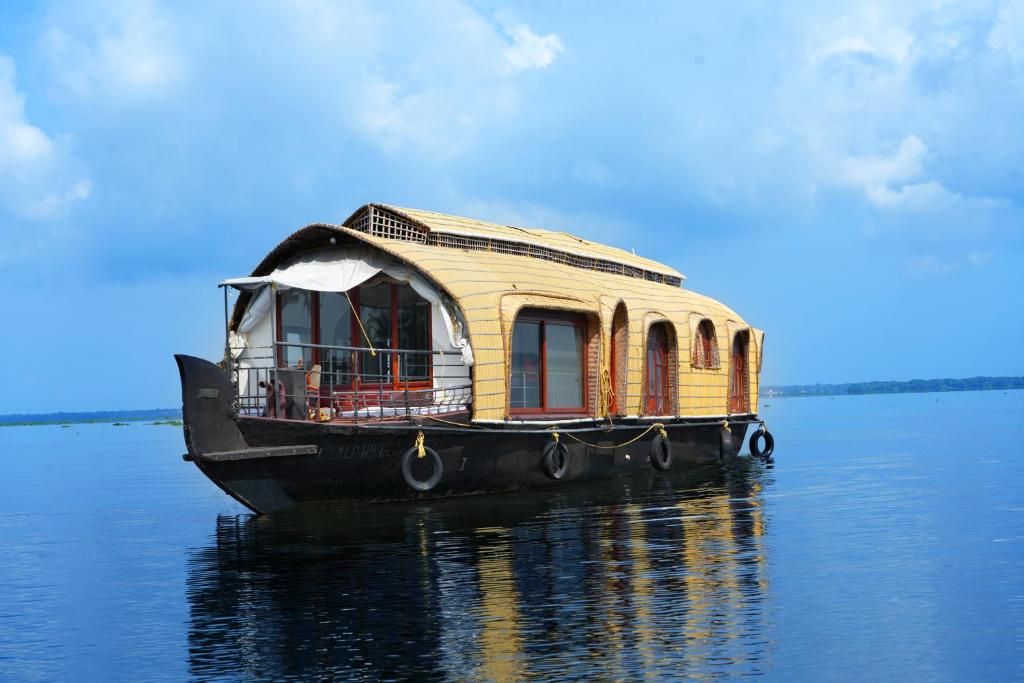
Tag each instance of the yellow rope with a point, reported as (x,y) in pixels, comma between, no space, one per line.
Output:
(421,450)
(554,435)
(725,426)
(657,425)
(373,351)
(466,425)
(607,391)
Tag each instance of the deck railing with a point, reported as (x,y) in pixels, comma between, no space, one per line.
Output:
(351,384)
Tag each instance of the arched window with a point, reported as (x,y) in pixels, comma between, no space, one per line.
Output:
(620,340)
(705,346)
(660,371)
(739,379)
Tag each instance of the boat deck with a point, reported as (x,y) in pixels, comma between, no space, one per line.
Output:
(336,385)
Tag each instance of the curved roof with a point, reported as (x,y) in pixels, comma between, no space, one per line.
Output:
(491,286)
(562,242)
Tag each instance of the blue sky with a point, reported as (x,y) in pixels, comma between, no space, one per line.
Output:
(847,176)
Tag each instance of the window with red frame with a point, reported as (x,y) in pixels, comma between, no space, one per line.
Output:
(739,383)
(705,346)
(393,315)
(656,385)
(547,373)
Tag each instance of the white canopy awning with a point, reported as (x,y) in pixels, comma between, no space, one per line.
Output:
(339,270)
(246,283)
(326,270)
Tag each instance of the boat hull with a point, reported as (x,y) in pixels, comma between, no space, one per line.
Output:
(366,464)
(270,464)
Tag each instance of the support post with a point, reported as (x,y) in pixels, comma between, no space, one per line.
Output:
(227,331)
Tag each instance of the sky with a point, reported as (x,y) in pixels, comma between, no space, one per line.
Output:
(847,176)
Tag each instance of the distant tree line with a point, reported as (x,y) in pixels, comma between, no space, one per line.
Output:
(93,416)
(914,386)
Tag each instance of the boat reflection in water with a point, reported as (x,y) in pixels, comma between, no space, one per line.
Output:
(639,575)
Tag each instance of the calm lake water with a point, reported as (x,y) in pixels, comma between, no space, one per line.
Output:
(886,544)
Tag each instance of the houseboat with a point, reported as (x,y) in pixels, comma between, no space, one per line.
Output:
(411,354)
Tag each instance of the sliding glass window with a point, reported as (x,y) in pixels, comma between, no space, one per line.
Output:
(296,327)
(336,330)
(547,363)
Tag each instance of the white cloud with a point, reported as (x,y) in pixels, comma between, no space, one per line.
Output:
(429,77)
(933,265)
(397,118)
(893,182)
(37,178)
(865,47)
(434,78)
(524,214)
(978,258)
(113,53)
(591,172)
(882,54)
(530,51)
(1007,34)
(880,172)
(903,101)
(50,204)
(928,265)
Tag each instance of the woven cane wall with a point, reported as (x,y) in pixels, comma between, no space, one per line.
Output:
(620,331)
(490,287)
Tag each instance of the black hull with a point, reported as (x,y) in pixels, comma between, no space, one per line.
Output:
(270,464)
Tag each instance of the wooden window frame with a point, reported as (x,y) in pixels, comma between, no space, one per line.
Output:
(666,384)
(314,332)
(357,338)
(743,390)
(579,322)
(707,346)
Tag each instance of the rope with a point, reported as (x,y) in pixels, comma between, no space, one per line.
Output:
(468,425)
(725,426)
(657,425)
(421,450)
(555,436)
(373,351)
(607,392)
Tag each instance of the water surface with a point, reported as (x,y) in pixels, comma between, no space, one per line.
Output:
(887,542)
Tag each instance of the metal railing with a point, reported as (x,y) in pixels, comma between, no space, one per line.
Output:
(347,383)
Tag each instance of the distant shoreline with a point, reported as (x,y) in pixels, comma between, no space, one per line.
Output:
(914,386)
(172,416)
(158,416)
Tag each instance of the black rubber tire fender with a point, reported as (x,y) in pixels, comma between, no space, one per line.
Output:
(435,477)
(555,462)
(755,444)
(661,453)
